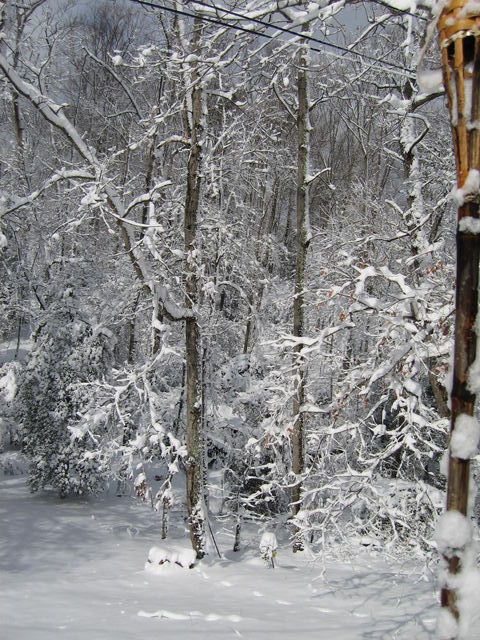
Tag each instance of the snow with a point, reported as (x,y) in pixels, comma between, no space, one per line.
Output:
(469,588)
(77,433)
(140,479)
(268,544)
(73,568)
(453,531)
(444,462)
(469,189)
(8,385)
(430,80)
(469,225)
(180,556)
(447,626)
(465,437)
(472,7)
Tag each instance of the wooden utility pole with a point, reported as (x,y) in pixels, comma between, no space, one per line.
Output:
(459,39)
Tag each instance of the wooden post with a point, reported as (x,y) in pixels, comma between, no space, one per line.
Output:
(459,39)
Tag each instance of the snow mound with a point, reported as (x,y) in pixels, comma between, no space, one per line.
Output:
(158,556)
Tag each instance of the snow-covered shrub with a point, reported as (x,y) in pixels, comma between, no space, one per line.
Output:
(53,396)
(268,547)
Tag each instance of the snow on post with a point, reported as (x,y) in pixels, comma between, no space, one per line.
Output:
(465,437)
(459,42)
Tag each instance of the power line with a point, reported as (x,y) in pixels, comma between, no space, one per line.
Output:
(345,50)
(300,35)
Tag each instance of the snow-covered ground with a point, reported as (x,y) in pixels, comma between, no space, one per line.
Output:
(75,569)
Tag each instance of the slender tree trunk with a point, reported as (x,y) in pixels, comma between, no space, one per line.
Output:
(193,383)
(302,241)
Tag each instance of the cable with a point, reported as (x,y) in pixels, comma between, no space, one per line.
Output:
(193,15)
(404,70)
(301,35)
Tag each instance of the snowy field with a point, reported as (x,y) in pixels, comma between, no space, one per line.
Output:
(76,569)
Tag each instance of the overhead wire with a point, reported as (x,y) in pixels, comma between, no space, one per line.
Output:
(217,21)
(300,35)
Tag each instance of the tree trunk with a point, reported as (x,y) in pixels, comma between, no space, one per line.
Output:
(302,241)
(193,383)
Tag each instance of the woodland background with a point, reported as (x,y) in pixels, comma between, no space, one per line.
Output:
(228,258)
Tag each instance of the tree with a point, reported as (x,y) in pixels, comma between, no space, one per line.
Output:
(68,354)
(193,381)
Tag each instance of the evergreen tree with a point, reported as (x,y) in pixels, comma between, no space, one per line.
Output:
(53,399)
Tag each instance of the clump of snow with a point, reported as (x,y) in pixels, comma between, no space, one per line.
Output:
(469,225)
(453,531)
(465,437)
(470,188)
(117,60)
(158,556)
(447,627)
(430,80)
(3,241)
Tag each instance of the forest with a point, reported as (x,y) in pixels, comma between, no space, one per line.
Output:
(227,242)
